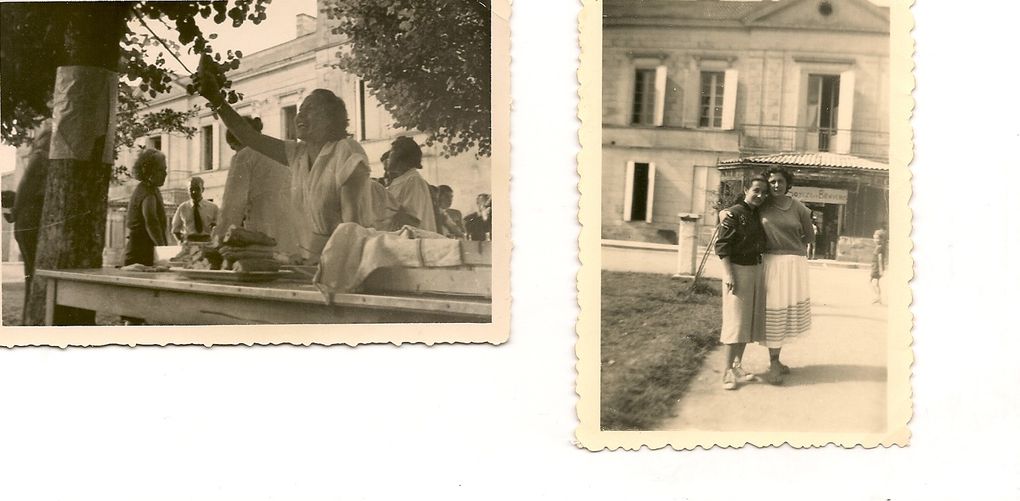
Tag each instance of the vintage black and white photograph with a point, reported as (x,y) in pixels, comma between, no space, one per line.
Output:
(256,162)
(752,273)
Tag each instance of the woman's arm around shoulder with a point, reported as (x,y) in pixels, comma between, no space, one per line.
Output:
(807,226)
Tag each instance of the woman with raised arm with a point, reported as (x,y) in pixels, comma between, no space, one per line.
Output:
(330,182)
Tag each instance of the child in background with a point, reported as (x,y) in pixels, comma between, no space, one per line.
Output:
(878,263)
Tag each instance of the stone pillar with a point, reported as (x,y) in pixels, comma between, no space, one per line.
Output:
(687,238)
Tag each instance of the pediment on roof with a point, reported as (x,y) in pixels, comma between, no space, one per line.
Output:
(848,15)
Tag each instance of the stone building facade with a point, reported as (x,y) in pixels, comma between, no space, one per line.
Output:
(695,89)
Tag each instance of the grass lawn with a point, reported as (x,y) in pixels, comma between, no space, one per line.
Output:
(14,297)
(653,343)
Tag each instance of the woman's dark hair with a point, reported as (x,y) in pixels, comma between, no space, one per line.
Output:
(783,171)
(739,197)
(337,111)
(404,152)
(758,178)
(445,188)
(146,163)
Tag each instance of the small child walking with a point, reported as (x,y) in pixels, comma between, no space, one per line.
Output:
(879,261)
(740,246)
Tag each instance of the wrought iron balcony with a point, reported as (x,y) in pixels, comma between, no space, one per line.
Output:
(763,139)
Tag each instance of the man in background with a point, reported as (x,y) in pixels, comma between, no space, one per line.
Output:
(195,218)
(478,224)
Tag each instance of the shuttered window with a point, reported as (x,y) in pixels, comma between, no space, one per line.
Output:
(649,96)
(718,99)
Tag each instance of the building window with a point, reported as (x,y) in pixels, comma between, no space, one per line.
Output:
(207,147)
(649,96)
(288,119)
(156,143)
(644,97)
(639,191)
(712,86)
(829,111)
(718,99)
(823,101)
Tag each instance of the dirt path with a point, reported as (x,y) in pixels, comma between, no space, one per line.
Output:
(838,379)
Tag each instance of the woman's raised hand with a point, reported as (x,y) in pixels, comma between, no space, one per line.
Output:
(209,80)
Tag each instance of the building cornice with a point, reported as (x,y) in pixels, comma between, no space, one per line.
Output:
(668,23)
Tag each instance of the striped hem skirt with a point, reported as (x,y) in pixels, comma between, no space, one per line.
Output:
(787,299)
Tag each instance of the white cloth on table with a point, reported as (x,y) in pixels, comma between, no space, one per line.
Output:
(411,192)
(257,197)
(335,188)
(354,252)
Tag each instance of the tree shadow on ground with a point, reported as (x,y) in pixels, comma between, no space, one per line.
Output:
(834,373)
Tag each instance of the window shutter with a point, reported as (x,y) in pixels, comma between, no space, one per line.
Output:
(628,191)
(215,145)
(660,95)
(649,204)
(729,109)
(845,118)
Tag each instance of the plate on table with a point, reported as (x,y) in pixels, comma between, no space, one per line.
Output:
(231,276)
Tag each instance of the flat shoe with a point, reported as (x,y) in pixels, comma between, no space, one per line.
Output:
(774,375)
(740,375)
(729,381)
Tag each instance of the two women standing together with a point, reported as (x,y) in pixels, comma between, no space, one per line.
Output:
(763,243)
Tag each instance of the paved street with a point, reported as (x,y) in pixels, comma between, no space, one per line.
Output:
(838,379)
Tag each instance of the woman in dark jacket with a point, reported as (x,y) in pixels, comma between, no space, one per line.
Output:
(740,246)
(146,216)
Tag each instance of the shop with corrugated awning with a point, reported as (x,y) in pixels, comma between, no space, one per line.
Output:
(848,196)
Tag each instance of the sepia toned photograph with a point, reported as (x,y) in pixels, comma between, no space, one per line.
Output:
(316,162)
(745,223)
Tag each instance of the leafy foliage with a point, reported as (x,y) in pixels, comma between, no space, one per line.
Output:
(132,124)
(33,45)
(428,62)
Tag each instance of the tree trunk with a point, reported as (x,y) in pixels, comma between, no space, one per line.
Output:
(73,223)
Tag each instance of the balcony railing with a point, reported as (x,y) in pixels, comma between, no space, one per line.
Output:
(764,139)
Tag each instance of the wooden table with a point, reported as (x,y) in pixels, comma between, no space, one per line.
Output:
(167,298)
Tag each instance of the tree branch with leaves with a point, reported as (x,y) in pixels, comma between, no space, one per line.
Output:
(39,37)
(428,62)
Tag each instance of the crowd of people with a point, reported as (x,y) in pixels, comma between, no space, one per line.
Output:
(299,191)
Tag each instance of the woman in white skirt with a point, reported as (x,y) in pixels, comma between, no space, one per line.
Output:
(740,246)
(788,231)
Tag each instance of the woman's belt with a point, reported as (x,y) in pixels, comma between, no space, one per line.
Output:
(745,259)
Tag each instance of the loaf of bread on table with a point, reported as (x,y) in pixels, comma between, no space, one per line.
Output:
(238,253)
(240,237)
